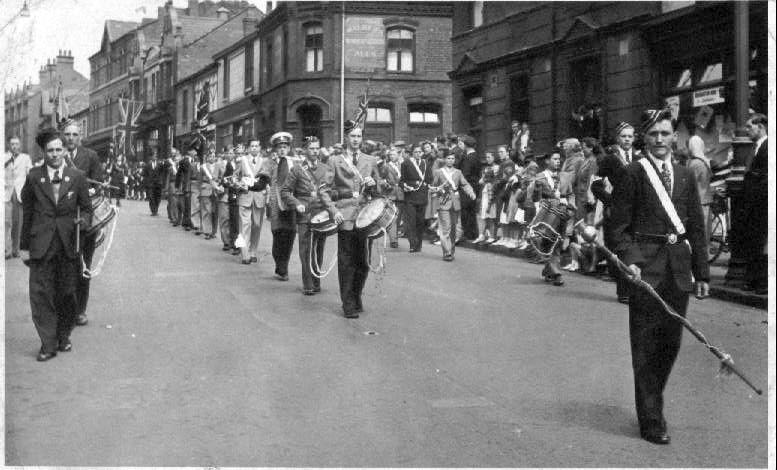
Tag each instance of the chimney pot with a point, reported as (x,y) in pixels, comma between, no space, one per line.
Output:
(269,7)
(222,14)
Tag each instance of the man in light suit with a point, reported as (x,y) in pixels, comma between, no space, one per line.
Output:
(17,165)
(251,202)
(52,196)
(450,181)
(356,175)
(658,231)
(170,169)
(207,170)
(86,160)
(391,172)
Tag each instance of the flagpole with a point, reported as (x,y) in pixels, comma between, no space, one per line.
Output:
(342,77)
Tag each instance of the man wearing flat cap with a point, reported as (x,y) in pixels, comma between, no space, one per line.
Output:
(356,174)
(658,231)
(56,203)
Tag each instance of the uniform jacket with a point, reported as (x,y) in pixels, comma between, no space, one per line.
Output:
(207,176)
(43,218)
(183,175)
(281,216)
(169,169)
(454,201)
(346,182)
(16,174)
(543,189)
(411,177)
(611,166)
(308,186)
(637,209)
(249,172)
(87,161)
(391,172)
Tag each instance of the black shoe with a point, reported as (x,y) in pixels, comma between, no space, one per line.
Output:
(188,229)
(558,281)
(394,245)
(225,248)
(282,277)
(350,313)
(81,319)
(254,259)
(175,224)
(447,258)
(414,250)
(245,261)
(317,289)
(656,437)
(308,292)
(65,345)
(235,251)
(45,356)
(198,232)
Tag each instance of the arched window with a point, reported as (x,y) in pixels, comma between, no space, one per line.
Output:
(400,50)
(314,47)
(310,120)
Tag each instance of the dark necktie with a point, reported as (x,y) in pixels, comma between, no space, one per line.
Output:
(666,178)
(56,179)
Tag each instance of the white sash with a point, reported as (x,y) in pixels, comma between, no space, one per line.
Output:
(663,196)
(448,177)
(207,173)
(549,178)
(417,168)
(348,161)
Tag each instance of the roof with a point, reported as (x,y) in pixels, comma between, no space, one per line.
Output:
(117,29)
(197,53)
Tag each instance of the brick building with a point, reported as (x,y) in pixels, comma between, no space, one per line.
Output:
(135,70)
(539,61)
(286,72)
(32,106)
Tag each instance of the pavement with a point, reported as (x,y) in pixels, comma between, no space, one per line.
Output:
(192,359)
(719,287)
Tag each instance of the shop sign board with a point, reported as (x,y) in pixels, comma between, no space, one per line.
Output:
(365,44)
(708,96)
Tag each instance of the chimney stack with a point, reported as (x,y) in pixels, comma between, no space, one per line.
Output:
(249,25)
(222,14)
(193,8)
(269,8)
(64,61)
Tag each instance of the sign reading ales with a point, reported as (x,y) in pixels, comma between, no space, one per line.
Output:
(365,44)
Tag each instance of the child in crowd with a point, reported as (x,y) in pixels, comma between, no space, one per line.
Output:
(487,201)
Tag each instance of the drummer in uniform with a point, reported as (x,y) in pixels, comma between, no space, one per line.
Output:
(354,174)
(447,182)
(547,187)
(307,190)
(85,159)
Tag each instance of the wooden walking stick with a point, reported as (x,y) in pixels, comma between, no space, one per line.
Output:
(589,234)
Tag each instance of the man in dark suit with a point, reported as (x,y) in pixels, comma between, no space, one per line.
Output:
(183,184)
(658,231)
(470,170)
(153,176)
(611,174)
(756,203)
(415,176)
(355,176)
(52,195)
(86,160)
(169,169)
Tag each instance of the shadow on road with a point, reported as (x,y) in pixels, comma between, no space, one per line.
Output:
(600,417)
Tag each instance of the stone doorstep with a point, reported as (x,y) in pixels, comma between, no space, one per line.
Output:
(717,289)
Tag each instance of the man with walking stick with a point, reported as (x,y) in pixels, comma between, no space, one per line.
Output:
(658,231)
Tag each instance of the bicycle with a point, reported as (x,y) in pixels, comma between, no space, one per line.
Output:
(720,210)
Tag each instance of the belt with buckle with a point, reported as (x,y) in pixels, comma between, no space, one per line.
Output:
(669,238)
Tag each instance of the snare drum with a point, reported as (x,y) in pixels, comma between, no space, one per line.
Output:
(375,217)
(547,226)
(322,223)
(102,213)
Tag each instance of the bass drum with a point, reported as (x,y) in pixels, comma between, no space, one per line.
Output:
(323,224)
(375,217)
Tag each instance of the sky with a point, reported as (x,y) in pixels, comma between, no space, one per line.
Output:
(75,25)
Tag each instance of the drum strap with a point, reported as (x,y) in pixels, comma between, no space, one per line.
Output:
(663,196)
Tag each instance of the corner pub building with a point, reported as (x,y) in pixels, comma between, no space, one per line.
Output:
(286,73)
(539,61)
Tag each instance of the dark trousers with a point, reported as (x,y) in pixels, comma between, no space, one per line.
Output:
(552,267)
(309,281)
(234,222)
(469,221)
(172,206)
(622,285)
(154,198)
(53,298)
(82,283)
(282,244)
(415,224)
(352,267)
(655,342)
(185,209)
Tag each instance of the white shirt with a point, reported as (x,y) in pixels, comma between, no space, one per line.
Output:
(660,165)
(627,154)
(524,140)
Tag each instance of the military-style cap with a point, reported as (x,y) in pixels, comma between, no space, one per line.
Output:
(281,138)
(349,125)
(651,116)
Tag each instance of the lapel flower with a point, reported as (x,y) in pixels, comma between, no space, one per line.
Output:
(67,178)
(43,180)
(70,194)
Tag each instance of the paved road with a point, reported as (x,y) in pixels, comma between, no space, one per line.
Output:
(192,359)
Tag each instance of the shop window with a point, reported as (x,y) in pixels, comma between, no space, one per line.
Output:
(424,114)
(400,50)
(477,14)
(314,47)
(236,74)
